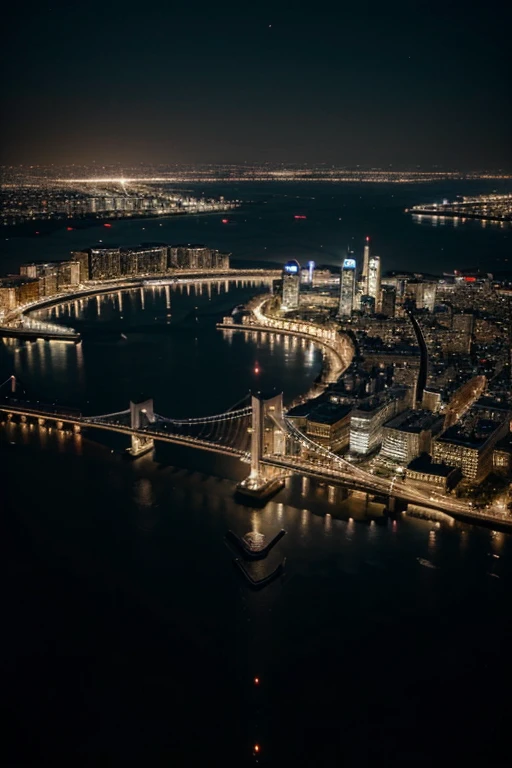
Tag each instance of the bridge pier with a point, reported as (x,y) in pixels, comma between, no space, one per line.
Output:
(140,445)
(41,421)
(76,429)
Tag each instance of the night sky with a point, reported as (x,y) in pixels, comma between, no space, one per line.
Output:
(366,83)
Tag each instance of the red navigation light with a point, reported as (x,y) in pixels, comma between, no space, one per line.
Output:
(107,226)
(37,233)
(256,748)
(256,681)
(299,216)
(69,229)
(225,221)
(367,239)
(470,279)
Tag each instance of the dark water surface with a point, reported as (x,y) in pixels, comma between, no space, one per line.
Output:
(337,215)
(129,637)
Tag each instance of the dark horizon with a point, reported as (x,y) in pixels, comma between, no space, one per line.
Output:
(359,86)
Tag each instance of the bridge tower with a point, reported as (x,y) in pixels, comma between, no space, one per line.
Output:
(267,437)
(13,384)
(141,416)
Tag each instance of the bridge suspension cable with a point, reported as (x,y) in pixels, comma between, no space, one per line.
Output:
(227,416)
(105,416)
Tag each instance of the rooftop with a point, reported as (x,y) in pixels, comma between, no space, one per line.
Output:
(414,421)
(474,437)
(425,465)
(329,413)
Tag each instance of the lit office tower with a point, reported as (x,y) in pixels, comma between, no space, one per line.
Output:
(291,285)
(374,280)
(366,267)
(347,287)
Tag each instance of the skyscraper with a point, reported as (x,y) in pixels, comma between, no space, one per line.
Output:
(374,280)
(347,287)
(291,285)
(366,266)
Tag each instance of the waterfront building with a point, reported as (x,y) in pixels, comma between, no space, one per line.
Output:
(104,263)
(68,274)
(37,268)
(8,299)
(291,285)
(194,256)
(347,287)
(374,278)
(470,447)
(408,435)
(16,291)
(423,472)
(329,425)
(48,283)
(144,260)
(83,258)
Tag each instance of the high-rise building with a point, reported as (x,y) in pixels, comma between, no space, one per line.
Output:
(104,263)
(83,258)
(374,280)
(48,283)
(347,287)
(190,256)
(387,300)
(144,260)
(291,285)
(68,274)
(36,268)
(366,266)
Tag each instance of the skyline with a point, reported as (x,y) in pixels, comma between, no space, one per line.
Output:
(356,87)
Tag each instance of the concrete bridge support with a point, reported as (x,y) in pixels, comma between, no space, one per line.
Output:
(140,445)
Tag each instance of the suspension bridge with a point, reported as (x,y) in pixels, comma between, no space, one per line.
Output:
(255,430)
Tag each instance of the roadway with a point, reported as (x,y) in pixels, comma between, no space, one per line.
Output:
(91,289)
